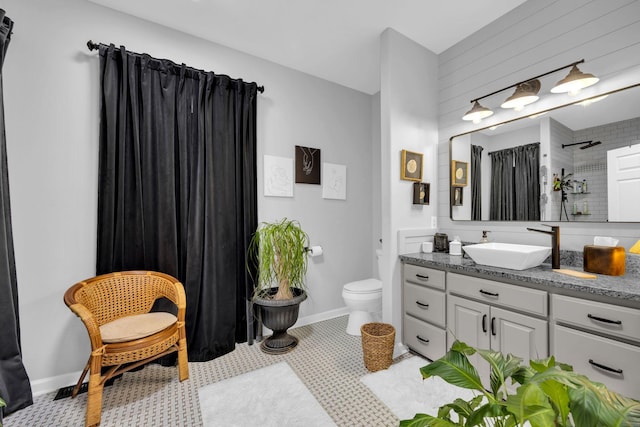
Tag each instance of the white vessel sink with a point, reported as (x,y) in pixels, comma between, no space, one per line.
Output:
(507,255)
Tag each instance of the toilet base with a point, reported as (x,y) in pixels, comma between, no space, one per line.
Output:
(357,318)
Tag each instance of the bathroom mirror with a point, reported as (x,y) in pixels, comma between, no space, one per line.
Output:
(593,145)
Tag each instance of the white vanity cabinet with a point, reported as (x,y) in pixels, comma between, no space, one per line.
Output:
(424,304)
(482,313)
(600,340)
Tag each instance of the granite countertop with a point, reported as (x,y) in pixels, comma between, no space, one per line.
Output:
(625,287)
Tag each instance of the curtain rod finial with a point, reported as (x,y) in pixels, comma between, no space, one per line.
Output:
(92,46)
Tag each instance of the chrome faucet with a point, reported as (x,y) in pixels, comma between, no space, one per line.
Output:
(555,243)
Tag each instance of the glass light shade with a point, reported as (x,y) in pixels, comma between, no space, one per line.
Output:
(477,113)
(525,94)
(575,81)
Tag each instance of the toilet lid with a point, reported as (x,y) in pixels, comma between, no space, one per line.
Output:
(366,286)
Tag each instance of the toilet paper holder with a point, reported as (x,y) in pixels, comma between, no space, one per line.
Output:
(314,250)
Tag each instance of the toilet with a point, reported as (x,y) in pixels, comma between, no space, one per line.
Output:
(363,298)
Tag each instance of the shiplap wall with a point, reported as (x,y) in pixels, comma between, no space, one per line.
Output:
(536,37)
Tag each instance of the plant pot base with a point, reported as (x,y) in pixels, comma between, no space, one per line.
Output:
(280,344)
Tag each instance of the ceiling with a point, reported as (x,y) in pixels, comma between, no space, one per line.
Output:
(336,40)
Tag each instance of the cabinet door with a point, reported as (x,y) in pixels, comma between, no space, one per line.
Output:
(469,321)
(520,335)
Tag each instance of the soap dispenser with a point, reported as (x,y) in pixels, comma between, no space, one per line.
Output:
(484,239)
(455,246)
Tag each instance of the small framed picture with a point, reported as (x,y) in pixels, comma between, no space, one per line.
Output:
(456,196)
(421,193)
(458,173)
(411,166)
(307,165)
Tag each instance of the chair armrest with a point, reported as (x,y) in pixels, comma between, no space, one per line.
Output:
(90,322)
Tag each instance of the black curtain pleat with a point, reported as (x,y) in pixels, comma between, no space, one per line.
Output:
(476,182)
(15,387)
(501,204)
(515,184)
(177,187)
(527,182)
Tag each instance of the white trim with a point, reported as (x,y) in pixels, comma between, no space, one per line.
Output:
(47,385)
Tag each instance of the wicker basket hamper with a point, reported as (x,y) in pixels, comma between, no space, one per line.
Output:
(377,345)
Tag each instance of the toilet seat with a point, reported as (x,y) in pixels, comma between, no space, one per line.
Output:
(366,286)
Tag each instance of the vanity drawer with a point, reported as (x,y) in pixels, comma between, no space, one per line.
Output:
(495,293)
(425,303)
(424,338)
(618,361)
(597,316)
(424,276)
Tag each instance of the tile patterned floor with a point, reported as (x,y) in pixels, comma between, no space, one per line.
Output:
(327,360)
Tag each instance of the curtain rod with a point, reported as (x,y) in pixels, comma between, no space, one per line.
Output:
(511,148)
(95,46)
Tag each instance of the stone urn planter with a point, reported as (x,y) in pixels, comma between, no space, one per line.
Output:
(279,316)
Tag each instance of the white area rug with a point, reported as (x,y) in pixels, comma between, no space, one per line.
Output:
(271,396)
(403,390)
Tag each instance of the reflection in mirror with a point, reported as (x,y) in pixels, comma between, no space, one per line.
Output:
(577,163)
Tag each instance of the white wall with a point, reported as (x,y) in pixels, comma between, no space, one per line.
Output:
(52,115)
(534,38)
(408,99)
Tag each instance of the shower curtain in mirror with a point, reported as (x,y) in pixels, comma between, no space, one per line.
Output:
(177,187)
(515,184)
(476,183)
(15,388)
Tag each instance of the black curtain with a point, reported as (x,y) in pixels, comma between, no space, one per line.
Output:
(527,182)
(501,203)
(476,182)
(15,388)
(177,187)
(515,184)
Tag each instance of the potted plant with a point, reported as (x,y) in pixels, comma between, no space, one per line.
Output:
(279,250)
(550,394)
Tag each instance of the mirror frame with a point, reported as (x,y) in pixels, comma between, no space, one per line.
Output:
(513,120)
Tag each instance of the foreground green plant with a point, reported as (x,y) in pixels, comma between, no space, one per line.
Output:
(279,249)
(550,394)
(2,404)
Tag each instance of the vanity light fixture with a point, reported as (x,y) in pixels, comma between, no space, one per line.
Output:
(574,82)
(525,94)
(527,91)
(477,112)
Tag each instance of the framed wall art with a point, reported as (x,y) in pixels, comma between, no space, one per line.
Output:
(334,185)
(421,193)
(307,165)
(278,176)
(459,173)
(456,196)
(411,166)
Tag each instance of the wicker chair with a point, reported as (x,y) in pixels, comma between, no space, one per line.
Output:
(112,308)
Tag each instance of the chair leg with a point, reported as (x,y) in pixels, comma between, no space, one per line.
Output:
(76,389)
(183,362)
(94,394)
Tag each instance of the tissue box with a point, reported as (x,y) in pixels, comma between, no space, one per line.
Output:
(609,260)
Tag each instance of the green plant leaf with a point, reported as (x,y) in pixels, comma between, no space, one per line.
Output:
(454,368)
(424,420)
(502,367)
(558,398)
(531,403)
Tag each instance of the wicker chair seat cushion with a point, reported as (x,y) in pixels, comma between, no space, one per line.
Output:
(130,328)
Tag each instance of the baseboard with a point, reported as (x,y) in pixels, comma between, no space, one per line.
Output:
(319,317)
(48,385)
